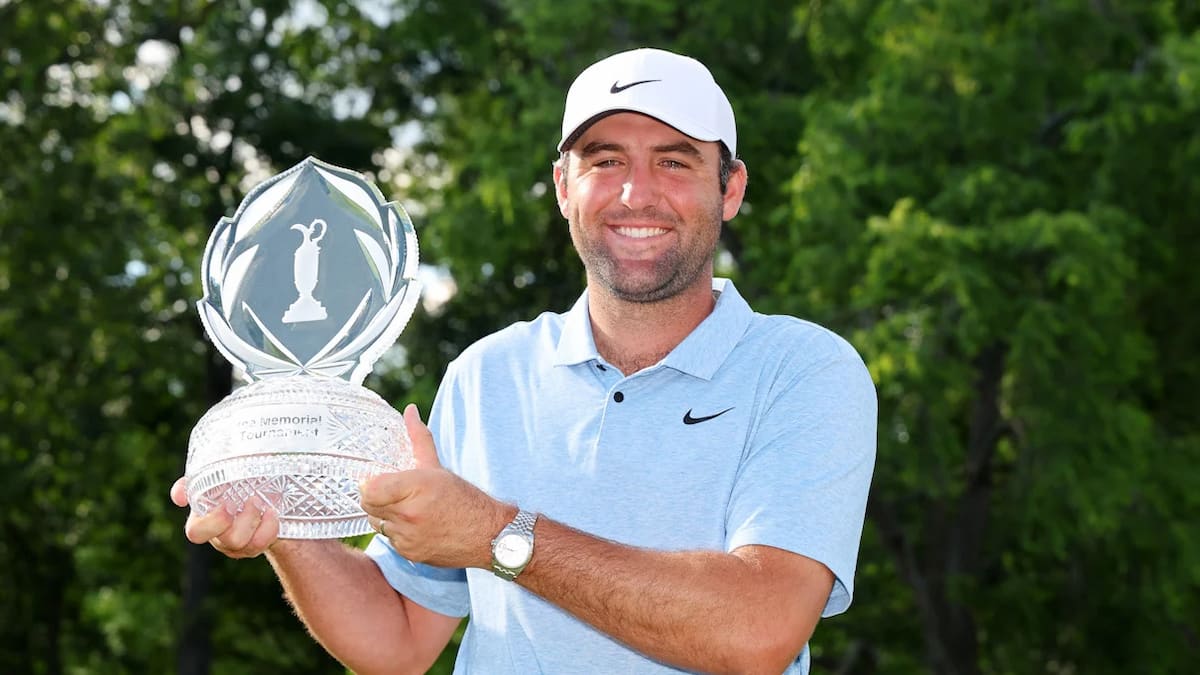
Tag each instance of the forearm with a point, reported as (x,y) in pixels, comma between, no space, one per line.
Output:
(348,606)
(700,610)
(748,611)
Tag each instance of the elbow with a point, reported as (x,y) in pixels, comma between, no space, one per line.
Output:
(768,651)
(763,661)
(389,668)
(389,660)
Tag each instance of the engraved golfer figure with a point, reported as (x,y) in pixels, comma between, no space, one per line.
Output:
(307,308)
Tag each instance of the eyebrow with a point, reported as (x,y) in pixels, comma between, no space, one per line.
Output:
(597,147)
(681,147)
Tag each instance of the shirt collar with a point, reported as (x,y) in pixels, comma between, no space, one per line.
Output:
(575,344)
(700,354)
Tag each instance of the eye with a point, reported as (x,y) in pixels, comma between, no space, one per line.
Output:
(673,164)
(606,162)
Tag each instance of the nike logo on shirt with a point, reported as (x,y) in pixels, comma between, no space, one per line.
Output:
(688,419)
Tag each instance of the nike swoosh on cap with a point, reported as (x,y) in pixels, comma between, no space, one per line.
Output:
(618,88)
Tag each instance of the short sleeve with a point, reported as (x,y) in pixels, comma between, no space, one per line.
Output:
(803,482)
(441,589)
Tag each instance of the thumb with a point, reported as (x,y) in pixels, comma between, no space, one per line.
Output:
(179,492)
(424,451)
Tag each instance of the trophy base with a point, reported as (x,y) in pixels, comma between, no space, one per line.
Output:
(303,310)
(301,444)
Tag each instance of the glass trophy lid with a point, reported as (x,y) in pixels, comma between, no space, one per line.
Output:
(315,274)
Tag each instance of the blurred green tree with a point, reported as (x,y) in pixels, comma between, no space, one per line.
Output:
(987,198)
(127,130)
(986,204)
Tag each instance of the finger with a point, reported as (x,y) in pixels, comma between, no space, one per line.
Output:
(378,524)
(238,536)
(267,532)
(424,450)
(179,492)
(376,512)
(205,528)
(383,491)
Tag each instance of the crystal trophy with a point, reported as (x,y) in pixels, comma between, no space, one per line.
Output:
(304,288)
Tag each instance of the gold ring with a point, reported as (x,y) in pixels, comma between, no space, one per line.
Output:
(382,526)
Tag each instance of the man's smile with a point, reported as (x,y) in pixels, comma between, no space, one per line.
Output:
(640,232)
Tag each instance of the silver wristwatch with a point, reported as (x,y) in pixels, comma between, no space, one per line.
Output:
(512,549)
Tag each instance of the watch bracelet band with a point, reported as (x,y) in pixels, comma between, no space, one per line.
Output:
(504,572)
(522,523)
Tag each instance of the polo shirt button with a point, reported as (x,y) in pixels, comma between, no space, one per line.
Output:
(618,397)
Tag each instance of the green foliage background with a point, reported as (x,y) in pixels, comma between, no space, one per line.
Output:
(993,200)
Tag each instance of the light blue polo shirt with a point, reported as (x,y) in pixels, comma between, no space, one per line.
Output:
(754,430)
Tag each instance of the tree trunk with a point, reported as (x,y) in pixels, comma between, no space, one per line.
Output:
(54,614)
(953,545)
(195,640)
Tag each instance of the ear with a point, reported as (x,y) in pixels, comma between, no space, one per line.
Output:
(560,183)
(735,190)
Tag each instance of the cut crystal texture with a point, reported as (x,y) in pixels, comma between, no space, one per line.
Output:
(301,444)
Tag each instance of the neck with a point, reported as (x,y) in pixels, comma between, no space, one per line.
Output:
(633,336)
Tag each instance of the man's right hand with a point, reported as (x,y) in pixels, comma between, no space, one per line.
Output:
(336,590)
(237,535)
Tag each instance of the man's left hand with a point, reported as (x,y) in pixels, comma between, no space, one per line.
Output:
(429,514)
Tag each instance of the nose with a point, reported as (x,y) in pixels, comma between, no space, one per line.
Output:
(640,189)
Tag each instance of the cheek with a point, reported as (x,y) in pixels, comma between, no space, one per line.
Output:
(578,196)
(692,204)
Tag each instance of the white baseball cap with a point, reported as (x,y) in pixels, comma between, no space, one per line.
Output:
(674,89)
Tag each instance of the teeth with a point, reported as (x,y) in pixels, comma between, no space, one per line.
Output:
(640,232)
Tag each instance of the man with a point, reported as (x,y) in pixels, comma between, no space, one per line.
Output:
(658,480)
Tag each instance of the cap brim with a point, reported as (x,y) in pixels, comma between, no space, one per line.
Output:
(568,140)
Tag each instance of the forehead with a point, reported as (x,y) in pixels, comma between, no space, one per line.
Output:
(631,130)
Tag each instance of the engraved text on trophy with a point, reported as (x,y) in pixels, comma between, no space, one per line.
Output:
(306,307)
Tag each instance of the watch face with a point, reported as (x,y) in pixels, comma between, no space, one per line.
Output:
(512,551)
